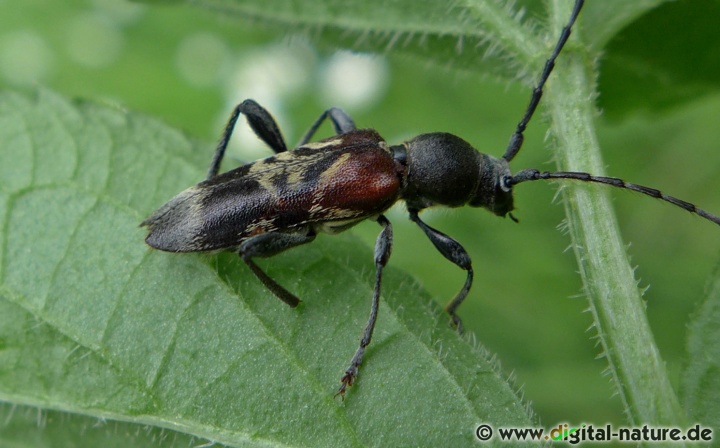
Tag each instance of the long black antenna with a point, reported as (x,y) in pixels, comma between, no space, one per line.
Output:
(533,174)
(516,140)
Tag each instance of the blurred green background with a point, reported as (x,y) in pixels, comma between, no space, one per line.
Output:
(190,66)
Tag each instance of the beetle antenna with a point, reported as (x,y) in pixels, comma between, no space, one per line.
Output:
(516,140)
(533,174)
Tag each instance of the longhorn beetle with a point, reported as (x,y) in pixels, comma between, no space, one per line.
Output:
(271,205)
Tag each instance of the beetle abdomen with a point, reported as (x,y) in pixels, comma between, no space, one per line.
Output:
(342,180)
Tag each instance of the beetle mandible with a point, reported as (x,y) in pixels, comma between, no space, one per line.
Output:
(283,201)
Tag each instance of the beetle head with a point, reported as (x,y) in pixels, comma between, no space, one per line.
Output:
(494,190)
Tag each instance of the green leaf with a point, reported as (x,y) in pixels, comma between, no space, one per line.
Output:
(94,322)
(701,380)
(610,16)
(489,38)
(476,35)
(664,58)
(28,427)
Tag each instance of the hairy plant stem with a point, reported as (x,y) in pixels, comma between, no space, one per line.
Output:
(615,301)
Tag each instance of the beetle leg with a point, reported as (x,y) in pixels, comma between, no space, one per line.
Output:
(383,248)
(261,122)
(267,245)
(453,251)
(340,120)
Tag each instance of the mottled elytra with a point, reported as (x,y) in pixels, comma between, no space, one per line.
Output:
(271,205)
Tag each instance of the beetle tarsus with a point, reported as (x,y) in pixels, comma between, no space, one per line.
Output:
(347,381)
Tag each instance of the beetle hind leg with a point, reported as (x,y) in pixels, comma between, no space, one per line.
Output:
(267,245)
(261,122)
(383,248)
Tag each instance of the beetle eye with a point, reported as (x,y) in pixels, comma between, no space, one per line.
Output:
(506,183)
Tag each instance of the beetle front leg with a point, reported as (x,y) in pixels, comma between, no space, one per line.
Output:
(453,251)
(261,122)
(342,123)
(267,245)
(383,248)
